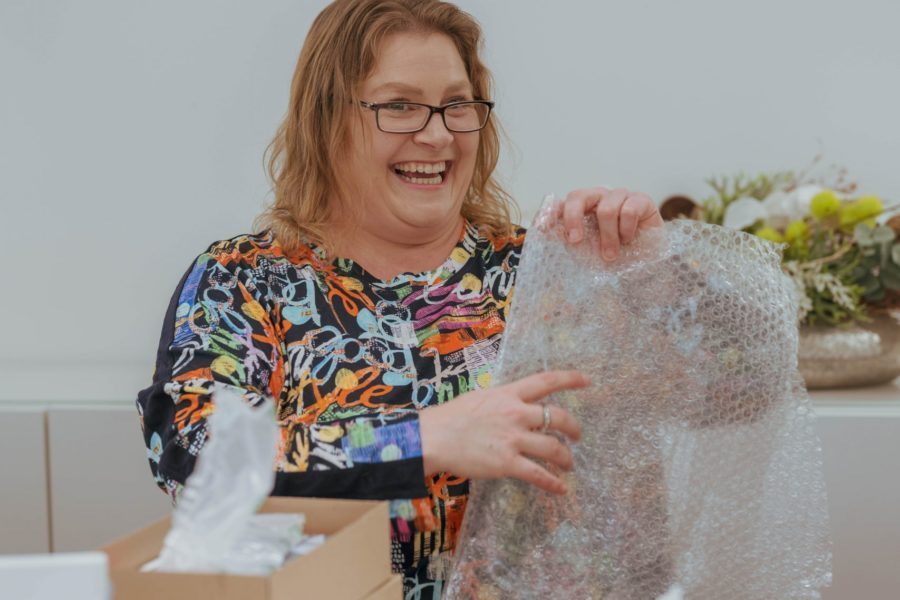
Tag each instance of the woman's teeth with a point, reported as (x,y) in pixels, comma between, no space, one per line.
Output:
(421,180)
(417,167)
(412,172)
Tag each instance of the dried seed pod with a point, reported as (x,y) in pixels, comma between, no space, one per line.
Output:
(675,207)
(894,223)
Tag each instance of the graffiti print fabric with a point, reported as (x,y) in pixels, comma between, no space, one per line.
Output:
(349,359)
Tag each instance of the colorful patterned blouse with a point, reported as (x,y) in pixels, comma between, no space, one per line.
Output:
(349,359)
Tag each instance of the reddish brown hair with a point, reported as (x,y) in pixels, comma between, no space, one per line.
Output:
(339,53)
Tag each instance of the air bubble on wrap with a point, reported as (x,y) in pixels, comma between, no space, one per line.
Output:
(699,469)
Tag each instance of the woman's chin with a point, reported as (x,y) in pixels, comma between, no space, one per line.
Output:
(428,211)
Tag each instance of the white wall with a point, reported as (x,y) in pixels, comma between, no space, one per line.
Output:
(132,134)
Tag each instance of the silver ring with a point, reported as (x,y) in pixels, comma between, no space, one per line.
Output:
(546,424)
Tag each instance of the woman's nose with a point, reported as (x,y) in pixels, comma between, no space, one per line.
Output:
(435,132)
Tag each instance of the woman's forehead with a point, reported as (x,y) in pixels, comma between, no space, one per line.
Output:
(418,64)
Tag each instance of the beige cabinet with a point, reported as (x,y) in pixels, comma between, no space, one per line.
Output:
(24,527)
(73,477)
(99,476)
(76,476)
(863,482)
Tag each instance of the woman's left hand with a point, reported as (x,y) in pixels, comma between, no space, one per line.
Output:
(620,215)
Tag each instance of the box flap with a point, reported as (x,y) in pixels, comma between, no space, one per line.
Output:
(132,585)
(357,556)
(323,515)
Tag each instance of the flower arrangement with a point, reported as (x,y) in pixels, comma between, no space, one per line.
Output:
(841,249)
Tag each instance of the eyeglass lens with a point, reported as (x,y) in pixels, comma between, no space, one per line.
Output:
(402,117)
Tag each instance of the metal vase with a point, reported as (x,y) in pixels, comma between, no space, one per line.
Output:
(854,355)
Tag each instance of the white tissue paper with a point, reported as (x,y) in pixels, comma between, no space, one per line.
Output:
(214,525)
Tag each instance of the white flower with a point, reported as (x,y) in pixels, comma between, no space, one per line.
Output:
(777,210)
(743,212)
(783,207)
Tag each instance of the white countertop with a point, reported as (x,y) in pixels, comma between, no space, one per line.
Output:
(27,384)
(877,401)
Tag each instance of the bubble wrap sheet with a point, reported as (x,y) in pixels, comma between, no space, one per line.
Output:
(699,472)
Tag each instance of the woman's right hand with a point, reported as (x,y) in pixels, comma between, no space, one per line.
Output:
(496,432)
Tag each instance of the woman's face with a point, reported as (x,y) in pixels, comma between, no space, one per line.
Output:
(425,68)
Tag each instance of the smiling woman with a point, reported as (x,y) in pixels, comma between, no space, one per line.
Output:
(387,199)
(372,301)
(328,160)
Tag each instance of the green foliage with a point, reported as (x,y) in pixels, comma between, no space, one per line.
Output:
(879,269)
(863,264)
(841,261)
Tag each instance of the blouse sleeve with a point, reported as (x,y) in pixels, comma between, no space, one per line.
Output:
(220,330)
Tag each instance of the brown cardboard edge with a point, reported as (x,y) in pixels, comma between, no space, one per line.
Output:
(134,585)
(136,548)
(323,515)
(129,553)
(346,549)
(346,523)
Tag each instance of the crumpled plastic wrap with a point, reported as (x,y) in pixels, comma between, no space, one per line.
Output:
(214,528)
(699,472)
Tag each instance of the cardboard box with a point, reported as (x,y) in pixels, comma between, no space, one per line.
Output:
(353,563)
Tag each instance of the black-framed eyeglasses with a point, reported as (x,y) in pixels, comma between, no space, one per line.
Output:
(411,117)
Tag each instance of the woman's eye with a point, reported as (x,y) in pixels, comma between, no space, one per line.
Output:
(396,106)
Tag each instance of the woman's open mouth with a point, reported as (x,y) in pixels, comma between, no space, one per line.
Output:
(423,173)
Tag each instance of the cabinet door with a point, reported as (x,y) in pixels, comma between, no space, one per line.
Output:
(23,471)
(100,482)
(863,481)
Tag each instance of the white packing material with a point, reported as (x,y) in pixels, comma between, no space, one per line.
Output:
(214,525)
(699,472)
